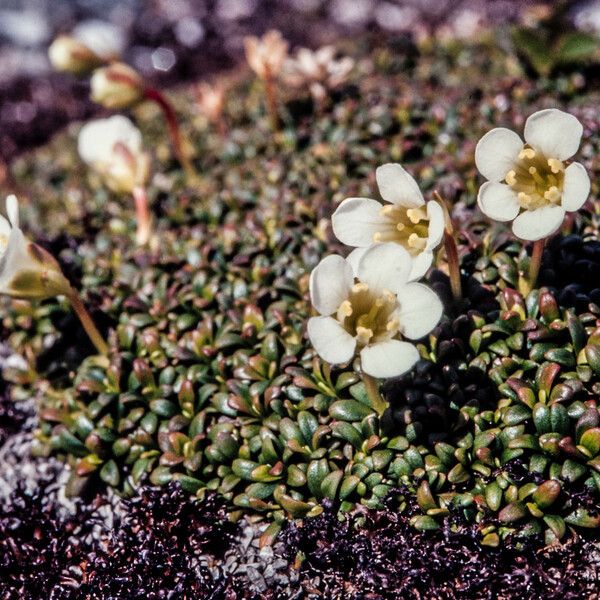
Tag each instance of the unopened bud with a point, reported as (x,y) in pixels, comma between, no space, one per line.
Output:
(72,56)
(116,86)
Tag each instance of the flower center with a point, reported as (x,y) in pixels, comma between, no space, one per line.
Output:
(368,316)
(537,180)
(408,227)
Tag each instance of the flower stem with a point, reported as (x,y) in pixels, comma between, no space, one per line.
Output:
(271,96)
(376,399)
(87,322)
(143,216)
(535,262)
(451,251)
(174,130)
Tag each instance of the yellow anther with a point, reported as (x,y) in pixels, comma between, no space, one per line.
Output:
(388,296)
(363,335)
(377,237)
(414,241)
(523,198)
(3,242)
(511,178)
(345,310)
(416,214)
(552,194)
(400,226)
(532,170)
(393,325)
(555,165)
(387,210)
(527,153)
(360,287)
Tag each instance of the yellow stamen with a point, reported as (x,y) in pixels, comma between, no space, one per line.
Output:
(363,335)
(387,210)
(527,153)
(555,165)
(360,287)
(416,214)
(511,177)
(552,195)
(345,310)
(414,241)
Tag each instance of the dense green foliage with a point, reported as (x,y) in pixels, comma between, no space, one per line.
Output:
(211,380)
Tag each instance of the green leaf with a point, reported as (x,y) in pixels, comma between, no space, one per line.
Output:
(576,47)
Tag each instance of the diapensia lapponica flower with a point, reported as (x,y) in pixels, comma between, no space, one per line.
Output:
(530,183)
(27,271)
(405,219)
(371,311)
(116,86)
(113,148)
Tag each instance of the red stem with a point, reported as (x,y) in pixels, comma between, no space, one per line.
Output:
(173,127)
(143,217)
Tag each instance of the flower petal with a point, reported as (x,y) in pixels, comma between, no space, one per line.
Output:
(355,257)
(496,152)
(420,310)
(388,359)
(12,210)
(330,282)
(385,267)
(356,221)
(555,133)
(397,186)
(498,201)
(420,265)
(435,213)
(576,187)
(534,225)
(331,341)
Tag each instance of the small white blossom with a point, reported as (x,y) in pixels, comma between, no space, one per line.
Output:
(319,71)
(27,271)
(530,182)
(113,148)
(266,55)
(104,39)
(72,56)
(372,312)
(405,219)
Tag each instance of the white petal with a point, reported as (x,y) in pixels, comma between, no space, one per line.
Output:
(385,267)
(556,133)
(388,359)
(4,227)
(435,213)
(420,310)
(331,341)
(576,187)
(356,221)
(420,265)
(397,186)
(97,138)
(496,152)
(355,257)
(330,284)
(12,210)
(102,38)
(498,201)
(534,225)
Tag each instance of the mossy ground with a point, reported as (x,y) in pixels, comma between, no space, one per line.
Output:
(211,380)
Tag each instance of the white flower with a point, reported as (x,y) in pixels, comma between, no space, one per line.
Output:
(113,147)
(27,271)
(529,182)
(372,313)
(266,55)
(116,86)
(72,56)
(318,70)
(406,219)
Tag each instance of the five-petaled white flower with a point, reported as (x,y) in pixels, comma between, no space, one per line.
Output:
(529,182)
(319,70)
(266,55)
(406,219)
(113,147)
(27,271)
(372,312)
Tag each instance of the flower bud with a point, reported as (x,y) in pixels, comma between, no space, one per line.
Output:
(113,148)
(116,86)
(27,271)
(72,56)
